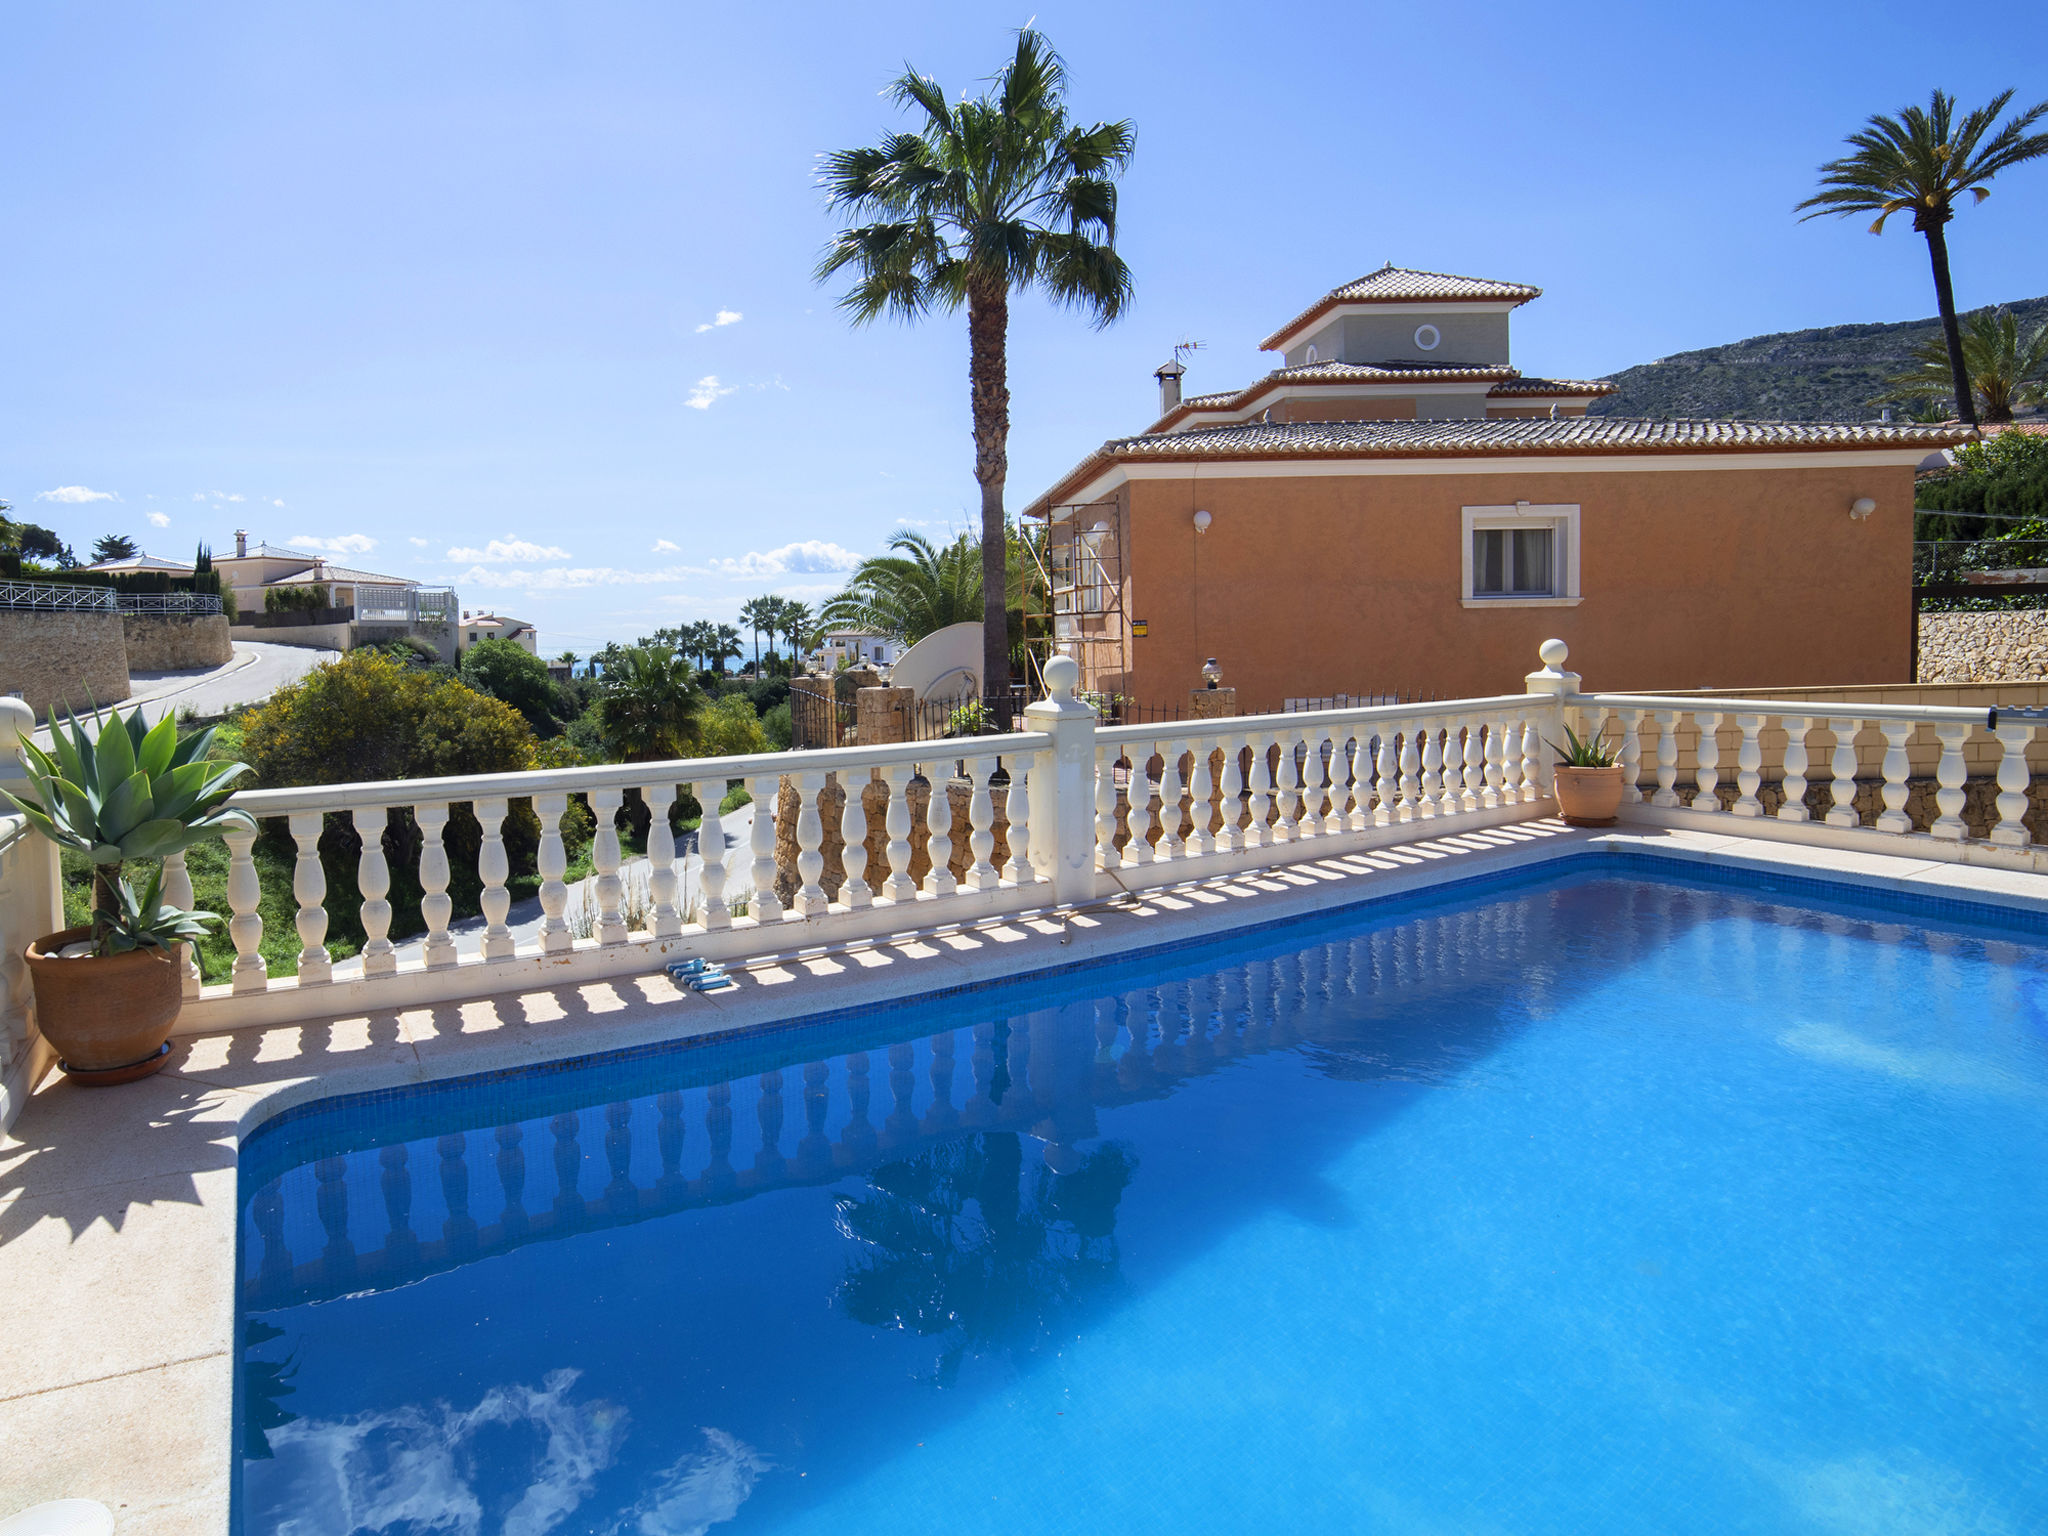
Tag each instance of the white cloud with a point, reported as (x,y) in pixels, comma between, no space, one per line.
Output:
(723,317)
(504,551)
(667,547)
(220,496)
(157,520)
(700,1490)
(566,578)
(346,544)
(277,502)
(75,494)
(706,391)
(805,557)
(418,543)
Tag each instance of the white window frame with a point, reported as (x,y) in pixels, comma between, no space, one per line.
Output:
(1561,517)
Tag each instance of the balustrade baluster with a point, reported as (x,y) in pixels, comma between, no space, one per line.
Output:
(711,871)
(511,1164)
(458,1227)
(552,862)
(401,1243)
(899,886)
(1894,817)
(1170,844)
(982,874)
(1667,759)
(373,879)
(1708,756)
(1017,811)
(769,1161)
(1230,806)
(569,1206)
(1535,766)
(663,885)
(1411,774)
(620,1195)
(245,927)
(435,905)
(853,837)
(1289,772)
(1792,779)
(1843,790)
(1432,772)
(1949,774)
(1358,777)
(494,869)
(2013,781)
(814,1151)
(1496,794)
(1106,856)
(1201,837)
(810,842)
(330,1201)
(670,1135)
(609,890)
(309,887)
(763,904)
(718,1171)
(939,880)
(1749,763)
(1472,792)
(1259,832)
(1138,796)
(177,892)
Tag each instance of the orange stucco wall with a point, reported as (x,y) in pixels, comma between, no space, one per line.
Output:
(1317,585)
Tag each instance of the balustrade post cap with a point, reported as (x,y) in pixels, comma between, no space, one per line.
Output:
(1551,678)
(17,724)
(1555,654)
(1062,677)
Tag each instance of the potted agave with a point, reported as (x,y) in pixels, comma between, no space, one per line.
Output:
(108,992)
(1588,780)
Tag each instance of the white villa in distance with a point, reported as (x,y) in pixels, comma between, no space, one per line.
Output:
(857,648)
(496,626)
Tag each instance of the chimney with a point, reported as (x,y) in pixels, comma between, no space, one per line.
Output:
(1169,376)
(241,543)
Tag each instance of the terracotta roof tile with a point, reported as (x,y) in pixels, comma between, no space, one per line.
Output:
(1567,434)
(1406,285)
(1590,388)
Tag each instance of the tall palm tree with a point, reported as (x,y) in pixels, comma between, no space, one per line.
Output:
(1922,161)
(988,197)
(2005,366)
(758,614)
(722,641)
(795,623)
(651,708)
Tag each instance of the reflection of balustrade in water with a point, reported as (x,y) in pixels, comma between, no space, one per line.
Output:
(369,1218)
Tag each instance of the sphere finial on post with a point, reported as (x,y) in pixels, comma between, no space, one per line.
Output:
(1552,678)
(1062,677)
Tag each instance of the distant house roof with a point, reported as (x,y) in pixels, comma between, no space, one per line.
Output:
(144,563)
(268,552)
(1503,381)
(1405,285)
(1589,436)
(320,570)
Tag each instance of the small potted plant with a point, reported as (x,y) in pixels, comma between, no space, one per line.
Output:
(108,992)
(1588,780)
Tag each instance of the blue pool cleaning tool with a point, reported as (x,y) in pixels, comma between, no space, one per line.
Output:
(682,970)
(712,981)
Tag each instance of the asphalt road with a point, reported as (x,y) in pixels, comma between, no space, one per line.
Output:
(253,675)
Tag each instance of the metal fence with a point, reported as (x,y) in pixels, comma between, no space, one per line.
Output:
(55,597)
(169,602)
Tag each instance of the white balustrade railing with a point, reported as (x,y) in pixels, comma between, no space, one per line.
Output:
(1869,763)
(31,905)
(1085,812)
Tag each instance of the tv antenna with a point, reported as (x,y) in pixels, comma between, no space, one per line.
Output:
(1184,349)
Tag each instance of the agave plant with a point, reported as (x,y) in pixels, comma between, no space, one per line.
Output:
(144,921)
(135,793)
(1595,751)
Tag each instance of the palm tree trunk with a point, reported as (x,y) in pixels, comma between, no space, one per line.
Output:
(988,326)
(1951,333)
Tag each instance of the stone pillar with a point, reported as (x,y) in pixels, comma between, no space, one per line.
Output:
(1211,703)
(1063,786)
(883,715)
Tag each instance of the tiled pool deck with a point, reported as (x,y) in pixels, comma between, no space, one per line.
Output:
(118,1207)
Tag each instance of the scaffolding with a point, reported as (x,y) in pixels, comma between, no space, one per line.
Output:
(1076,606)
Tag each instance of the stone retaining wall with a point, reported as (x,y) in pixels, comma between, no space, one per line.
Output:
(2011,645)
(170,642)
(71,659)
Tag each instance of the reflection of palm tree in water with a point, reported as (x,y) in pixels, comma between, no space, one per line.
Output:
(1012,1274)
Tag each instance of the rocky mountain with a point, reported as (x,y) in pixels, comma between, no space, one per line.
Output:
(1829,374)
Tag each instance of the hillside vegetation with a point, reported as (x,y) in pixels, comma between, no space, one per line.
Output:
(1829,374)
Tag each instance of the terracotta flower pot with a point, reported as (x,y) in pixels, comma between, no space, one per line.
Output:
(108,1016)
(1588,797)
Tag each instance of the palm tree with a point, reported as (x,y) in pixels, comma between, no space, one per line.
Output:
(2005,368)
(796,623)
(913,591)
(722,641)
(569,660)
(988,197)
(758,614)
(651,707)
(1922,162)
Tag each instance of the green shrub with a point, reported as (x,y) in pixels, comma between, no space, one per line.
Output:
(513,674)
(294,599)
(777,727)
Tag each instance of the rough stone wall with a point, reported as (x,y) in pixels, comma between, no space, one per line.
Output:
(2009,646)
(68,659)
(166,642)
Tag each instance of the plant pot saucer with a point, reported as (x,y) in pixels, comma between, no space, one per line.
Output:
(1591,821)
(107,1077)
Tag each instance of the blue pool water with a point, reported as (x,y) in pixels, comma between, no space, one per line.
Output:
(1596,1203)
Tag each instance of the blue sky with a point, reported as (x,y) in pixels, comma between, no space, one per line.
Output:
(519,296)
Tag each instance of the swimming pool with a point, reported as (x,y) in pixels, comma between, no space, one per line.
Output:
(1592,1201)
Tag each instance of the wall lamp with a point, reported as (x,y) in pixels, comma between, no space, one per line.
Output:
(1202,521)
(1861,508)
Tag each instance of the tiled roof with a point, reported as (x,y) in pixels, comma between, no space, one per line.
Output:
(1341,373)
(1590,436)
(1406,285)
(1590,388)
(143,563)
(320,570)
